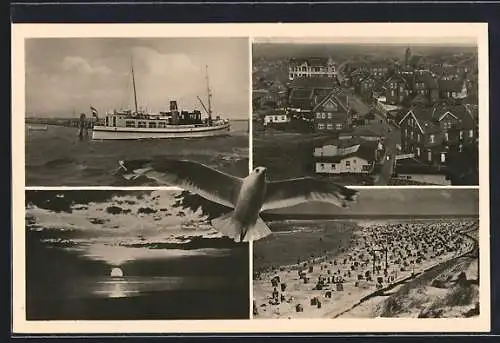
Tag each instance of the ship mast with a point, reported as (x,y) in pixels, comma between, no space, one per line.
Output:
(133,85)
(209,94)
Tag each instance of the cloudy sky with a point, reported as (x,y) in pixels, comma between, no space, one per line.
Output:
(117,238)
(70,74)
(403,201)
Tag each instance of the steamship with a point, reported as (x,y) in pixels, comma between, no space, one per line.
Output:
(140,124)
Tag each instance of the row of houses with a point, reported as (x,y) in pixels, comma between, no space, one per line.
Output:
(431,138)
(323,104)
(441,69)
(400,89)
(396,83)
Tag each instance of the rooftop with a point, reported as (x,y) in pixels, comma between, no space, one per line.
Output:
(314,82)
(338,94)
(307,98)
(397,77)
(419,99)
(451,85)
(426,78)
(364,150)
(429,117)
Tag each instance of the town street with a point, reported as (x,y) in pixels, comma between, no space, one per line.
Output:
(393,138)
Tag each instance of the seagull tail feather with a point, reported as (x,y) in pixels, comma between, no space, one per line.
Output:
(234,229)
(228,226)
(257,231)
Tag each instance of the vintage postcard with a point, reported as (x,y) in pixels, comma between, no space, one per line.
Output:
(244,178)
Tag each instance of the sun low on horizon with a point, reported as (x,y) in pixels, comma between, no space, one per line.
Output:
(116,272)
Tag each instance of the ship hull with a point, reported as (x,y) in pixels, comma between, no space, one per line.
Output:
(124,133)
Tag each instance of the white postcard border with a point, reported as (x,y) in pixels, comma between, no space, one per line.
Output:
(334,32)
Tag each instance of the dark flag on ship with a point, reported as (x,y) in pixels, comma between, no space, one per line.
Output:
(94,111)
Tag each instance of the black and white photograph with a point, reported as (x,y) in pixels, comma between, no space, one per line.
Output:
(245,178)
(396,253)
(91,102)
(381,111)
(129,255)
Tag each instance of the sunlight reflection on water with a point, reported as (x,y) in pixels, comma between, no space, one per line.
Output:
(122,287)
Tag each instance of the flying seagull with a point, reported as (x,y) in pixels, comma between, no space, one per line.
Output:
(247,197)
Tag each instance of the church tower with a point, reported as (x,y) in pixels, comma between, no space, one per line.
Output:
(408,56)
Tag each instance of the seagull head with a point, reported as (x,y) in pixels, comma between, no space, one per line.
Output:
(132,169)
(261,171)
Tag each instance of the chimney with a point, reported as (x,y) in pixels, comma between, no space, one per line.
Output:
(173,105)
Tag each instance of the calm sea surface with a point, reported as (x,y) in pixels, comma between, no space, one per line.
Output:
(57,157)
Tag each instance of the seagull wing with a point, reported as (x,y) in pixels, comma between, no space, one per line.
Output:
(197,178)
(292,192)
(195,202)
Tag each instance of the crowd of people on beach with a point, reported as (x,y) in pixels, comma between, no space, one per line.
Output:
(379,255)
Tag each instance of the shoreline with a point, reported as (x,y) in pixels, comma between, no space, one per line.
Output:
(340,302)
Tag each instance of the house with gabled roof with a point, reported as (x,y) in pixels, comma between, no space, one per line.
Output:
(354,159)
(333,112)
(425,84)
(367,86)
(305,93)
(431,133)
(449,72)
(396,88)
(453,89)
(380,69)
(353,78)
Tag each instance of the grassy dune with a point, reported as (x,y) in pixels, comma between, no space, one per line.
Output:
(420,298)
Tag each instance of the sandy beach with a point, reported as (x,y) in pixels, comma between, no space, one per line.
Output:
(380,257)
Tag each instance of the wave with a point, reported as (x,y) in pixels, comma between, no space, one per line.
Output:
(59,158)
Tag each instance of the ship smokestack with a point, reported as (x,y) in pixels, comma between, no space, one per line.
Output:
(175,112)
